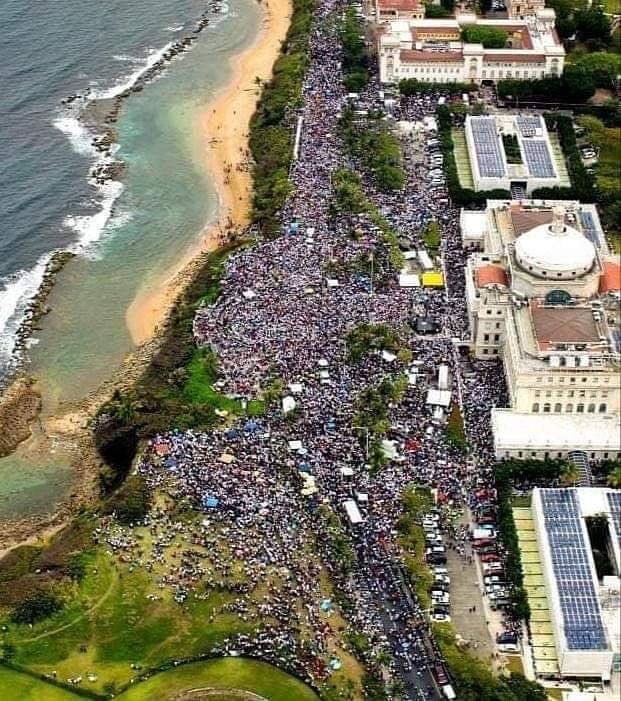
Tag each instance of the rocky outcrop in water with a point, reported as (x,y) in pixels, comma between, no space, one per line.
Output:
(19,406)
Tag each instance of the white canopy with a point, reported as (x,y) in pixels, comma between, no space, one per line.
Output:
(439,397)
(352,511)
(288,404)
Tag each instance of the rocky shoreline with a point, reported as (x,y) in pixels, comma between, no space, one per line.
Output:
(98,115)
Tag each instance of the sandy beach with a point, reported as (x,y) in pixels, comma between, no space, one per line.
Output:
(224,126)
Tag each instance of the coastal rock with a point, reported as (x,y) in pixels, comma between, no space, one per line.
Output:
(19,405)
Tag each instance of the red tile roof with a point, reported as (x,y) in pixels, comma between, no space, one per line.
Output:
(491,275)
(414,55)
(610,280)
(404,5)
(514,56)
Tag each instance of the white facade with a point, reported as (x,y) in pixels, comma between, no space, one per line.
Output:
(524,174)
(573,662)
(431,50)
(543,316)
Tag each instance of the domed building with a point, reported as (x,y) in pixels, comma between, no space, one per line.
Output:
(542,289)
(555,251)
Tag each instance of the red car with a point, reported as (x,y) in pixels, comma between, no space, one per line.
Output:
(490,557)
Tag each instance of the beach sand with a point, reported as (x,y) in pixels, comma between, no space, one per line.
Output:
(67,431)
(224,126)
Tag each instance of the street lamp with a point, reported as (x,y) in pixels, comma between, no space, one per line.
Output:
(366,430)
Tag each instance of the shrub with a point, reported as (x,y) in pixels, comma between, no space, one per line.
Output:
(490,37)
(41,604)
(355,59)
(131,503)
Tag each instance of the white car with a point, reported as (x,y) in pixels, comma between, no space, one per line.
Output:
(440,618)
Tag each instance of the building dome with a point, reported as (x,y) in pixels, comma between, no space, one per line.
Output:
(555,251)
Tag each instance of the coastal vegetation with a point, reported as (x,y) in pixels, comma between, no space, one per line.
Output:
(271,127)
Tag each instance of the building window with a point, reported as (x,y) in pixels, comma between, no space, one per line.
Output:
(580,409)
(546,408)
(570,393)
(537,393)
(572,380)
(536,408)
(548,394)
(486,337)
(591,409)
(569,408)
(602,408)
(558,408)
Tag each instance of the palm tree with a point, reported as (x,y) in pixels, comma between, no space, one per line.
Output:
(570,475)
(614,478)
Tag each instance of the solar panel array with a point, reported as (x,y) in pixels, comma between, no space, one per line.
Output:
(589,228)
(538,158)
(487,147)
(571,565)
(614,502)
(528,125)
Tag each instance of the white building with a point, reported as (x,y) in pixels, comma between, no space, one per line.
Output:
(511,151)
(541,296)
(387,10)
(431,50)
(584,610)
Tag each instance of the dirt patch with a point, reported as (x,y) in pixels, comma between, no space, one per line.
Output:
(19,406)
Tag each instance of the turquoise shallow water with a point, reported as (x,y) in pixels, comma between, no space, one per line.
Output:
(167,200)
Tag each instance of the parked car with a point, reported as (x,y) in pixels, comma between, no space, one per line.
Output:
(440,617)
(490,557)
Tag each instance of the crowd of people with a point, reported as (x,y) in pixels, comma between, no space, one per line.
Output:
(279,317)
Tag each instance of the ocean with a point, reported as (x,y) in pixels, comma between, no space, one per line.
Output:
(126,233)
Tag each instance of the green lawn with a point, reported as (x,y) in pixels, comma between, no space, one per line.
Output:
(110,624)
(227,673)
(15,686)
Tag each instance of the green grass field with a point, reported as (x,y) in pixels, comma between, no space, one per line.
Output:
(15,686)
(227,673)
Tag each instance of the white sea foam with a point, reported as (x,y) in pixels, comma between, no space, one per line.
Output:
(90,227)
(129,81)
(16,293)
(80,137)
(174,29)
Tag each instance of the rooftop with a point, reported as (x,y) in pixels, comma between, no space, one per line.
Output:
(610,280)
(403,5)
(571,325)
(491,275)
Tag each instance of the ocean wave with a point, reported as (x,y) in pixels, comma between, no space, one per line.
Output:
(129,81)
(175,29)
(91,226)
(16,293)
(79,136)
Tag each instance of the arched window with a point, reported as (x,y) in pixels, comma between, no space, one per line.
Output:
(580,409)
(602,408)
(569,408)
(535,407)
(591,408)
(557,408)
(546,408)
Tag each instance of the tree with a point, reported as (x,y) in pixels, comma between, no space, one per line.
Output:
(593,25)
(601,67)
(570,475)
(490,37)
(614,478)
(36,607)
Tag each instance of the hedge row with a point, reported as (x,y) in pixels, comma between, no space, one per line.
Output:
(461,196)
(271,134)
(582,183)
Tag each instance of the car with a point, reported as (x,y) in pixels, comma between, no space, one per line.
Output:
(490,557)
(442,579)
(440,674)
(440,570)
(507,637)
(492,579)
(440,617)
(493,567)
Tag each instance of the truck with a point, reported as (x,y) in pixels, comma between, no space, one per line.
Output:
(443,377)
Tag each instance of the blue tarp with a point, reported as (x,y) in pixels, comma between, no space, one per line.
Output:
(250,426)
(210,502)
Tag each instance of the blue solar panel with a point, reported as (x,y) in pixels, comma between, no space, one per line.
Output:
(487,147)
(528,125)
(589,228)
(538,158)
(572,569)
(614,502)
